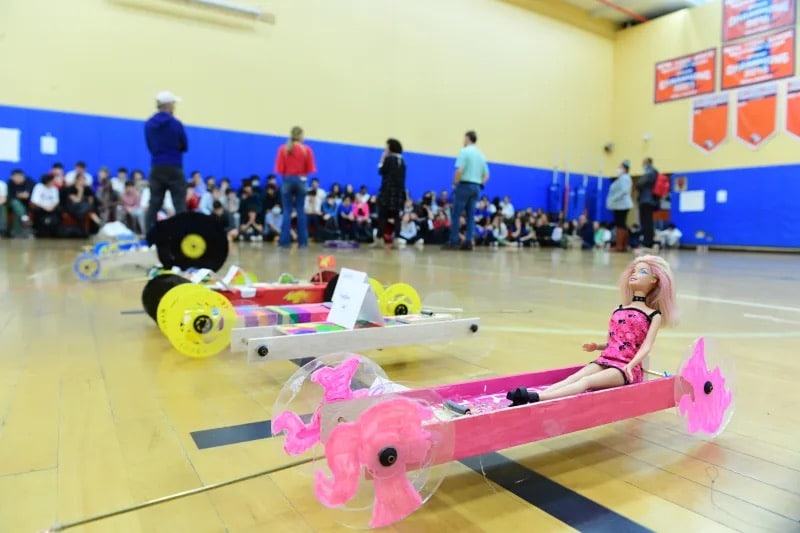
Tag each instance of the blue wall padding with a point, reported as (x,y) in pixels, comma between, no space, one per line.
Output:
(762,207)
(115,142)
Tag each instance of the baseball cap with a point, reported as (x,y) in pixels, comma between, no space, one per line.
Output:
(166,97)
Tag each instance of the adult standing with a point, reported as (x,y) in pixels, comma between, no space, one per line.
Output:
(167,142)
(620,202)
(648,203)
(392,195)
(294,163)
(471,175)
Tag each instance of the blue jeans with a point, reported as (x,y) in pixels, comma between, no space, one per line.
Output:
(465,196)
(293,196)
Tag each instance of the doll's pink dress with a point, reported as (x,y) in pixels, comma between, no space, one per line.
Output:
(627,331)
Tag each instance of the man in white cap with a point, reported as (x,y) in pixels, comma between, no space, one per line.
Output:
(167,142)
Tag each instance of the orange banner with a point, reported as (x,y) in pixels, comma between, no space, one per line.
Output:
(710,121)
(686,76)
(742,18)
(793,107)
(757,60)
(757,114)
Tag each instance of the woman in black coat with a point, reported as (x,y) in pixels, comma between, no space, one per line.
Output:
(392,195)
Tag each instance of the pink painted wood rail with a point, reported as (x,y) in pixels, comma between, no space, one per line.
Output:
(505,428)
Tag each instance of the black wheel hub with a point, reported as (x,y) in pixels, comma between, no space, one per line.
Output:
(387,456)
(203,324)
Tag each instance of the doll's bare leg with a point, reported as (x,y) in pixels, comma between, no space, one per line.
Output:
(588,370)
(605,379)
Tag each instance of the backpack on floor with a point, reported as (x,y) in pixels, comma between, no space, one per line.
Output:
(661,187)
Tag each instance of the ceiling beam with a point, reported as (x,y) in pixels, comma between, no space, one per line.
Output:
(568,14)
(608,4)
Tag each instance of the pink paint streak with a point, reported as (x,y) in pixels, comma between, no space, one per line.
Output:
(335,383)
(395,425)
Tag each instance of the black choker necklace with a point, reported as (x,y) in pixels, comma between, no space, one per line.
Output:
(639,298)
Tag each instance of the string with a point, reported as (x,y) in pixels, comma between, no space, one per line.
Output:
(171,497)
(713,473)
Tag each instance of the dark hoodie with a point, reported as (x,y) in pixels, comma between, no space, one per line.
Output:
(166,139)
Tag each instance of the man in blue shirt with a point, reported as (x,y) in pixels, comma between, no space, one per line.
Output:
(167,142)
(471,175)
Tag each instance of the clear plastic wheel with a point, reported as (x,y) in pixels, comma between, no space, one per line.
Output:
(386,463)
(296,412)
(442,302)
(704,388)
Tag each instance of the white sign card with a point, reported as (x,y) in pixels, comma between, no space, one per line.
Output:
(48,145)
(354,300)
(200,275)
(9,145)
(692,202)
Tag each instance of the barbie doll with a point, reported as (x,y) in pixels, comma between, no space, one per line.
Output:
(648,296)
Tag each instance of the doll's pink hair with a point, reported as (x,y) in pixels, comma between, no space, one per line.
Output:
(662,297)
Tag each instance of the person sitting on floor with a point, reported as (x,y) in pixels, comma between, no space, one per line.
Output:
(272,224)
(46,203)
(250,229)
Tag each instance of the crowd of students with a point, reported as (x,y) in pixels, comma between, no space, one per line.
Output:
(78,204)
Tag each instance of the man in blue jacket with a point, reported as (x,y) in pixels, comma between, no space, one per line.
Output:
(167,142)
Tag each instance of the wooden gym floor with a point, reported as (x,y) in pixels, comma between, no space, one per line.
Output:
(97,412)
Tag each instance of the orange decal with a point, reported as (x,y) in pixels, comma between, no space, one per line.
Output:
(297,297)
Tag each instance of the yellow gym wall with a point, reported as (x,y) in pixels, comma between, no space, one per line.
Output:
(353,71)
(636,52)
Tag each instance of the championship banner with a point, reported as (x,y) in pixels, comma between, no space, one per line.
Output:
(757,60)
(793,107)
(686,76)
(710,121)
(757,114)
(742,18)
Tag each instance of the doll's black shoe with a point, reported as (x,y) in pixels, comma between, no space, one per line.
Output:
(522,396)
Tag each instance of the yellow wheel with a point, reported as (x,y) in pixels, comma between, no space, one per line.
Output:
(400,299)
(199,323)
(170,300)
(193,246)
(377,288)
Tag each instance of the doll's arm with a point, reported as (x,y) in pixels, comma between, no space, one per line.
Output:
(596,346)
(647,345)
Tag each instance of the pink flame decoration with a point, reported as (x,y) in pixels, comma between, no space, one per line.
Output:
(336,385)
(705,412)
(394,424)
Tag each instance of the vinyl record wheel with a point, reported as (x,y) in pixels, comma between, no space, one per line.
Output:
(155,289)
(190,240)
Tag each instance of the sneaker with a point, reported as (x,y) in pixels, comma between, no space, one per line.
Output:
(465,248)
(450,246)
